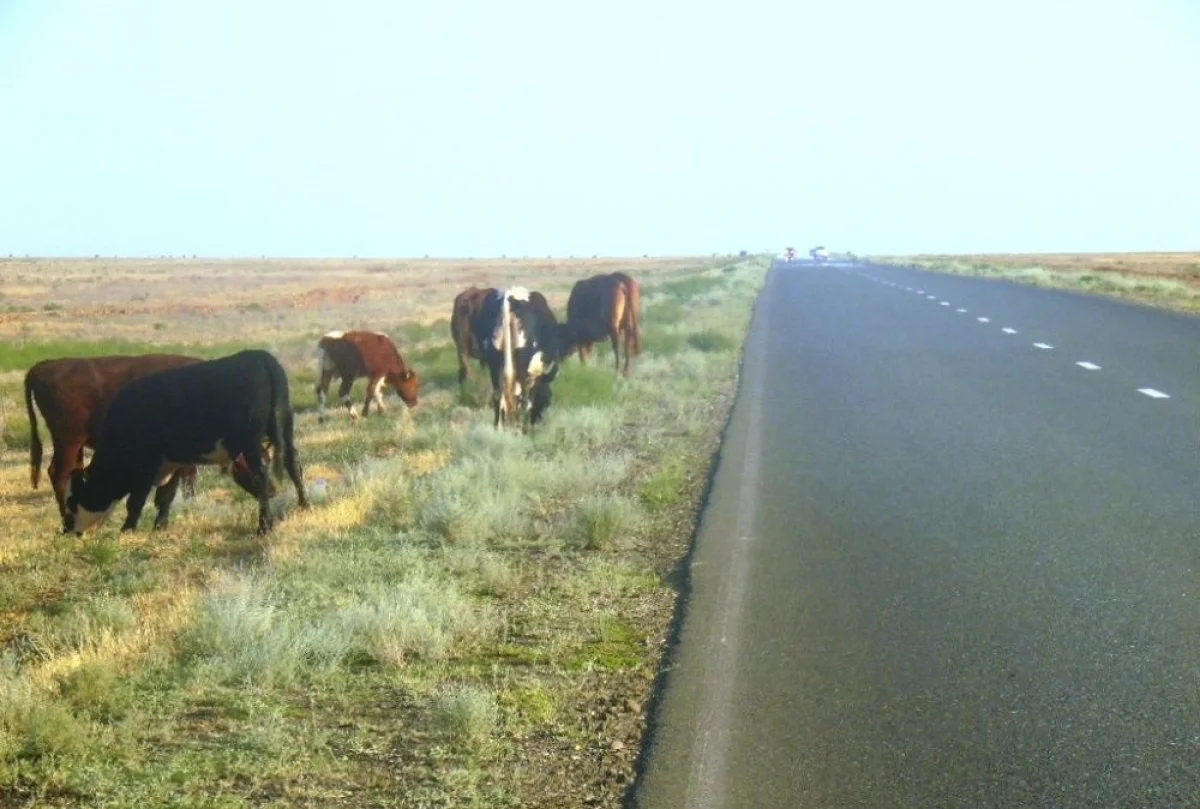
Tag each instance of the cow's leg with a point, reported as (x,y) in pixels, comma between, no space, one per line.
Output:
(66,458)
(374,394)
(187,477)
(165,495)
(258,469)
(323,382)
(137,501)
(584,348)
(541,400)
(628,341)
(256,483)
(344,394)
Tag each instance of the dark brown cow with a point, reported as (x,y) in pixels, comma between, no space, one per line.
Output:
(604,307)
(73,396)
(467,306)
(355,354)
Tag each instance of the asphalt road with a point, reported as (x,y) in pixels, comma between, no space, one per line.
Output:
(944,564)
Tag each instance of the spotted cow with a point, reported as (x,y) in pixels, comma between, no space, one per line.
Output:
(201,413)
(604,307)
(519,337)
(352,355)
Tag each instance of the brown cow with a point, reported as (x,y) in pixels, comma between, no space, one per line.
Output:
(604,306)
(467,306)
(354,354)
(73,396)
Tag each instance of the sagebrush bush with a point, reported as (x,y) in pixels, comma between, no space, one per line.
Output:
(603,521)
(466,713)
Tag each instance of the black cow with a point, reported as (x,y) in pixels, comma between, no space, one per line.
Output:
(520,340)
(206,413)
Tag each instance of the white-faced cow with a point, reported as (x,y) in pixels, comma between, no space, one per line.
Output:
(352,355)
(73,395)
(519,336)
(204,413)
(468,305)
(604,307)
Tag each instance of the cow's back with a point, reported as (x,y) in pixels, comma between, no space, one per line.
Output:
(377,351)
(178,411)
(75,393)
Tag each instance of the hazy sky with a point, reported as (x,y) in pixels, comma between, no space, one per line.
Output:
(535,127)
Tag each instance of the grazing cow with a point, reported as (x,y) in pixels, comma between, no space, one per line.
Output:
(467,306)
(73,396)
(519,337)
(354,354)
(203,413)
(604,306)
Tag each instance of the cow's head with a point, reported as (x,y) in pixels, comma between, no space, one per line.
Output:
(85,505)
(407,385)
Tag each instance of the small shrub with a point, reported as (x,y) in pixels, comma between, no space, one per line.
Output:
(710,341)
(602,522)
(95,689)
(666,486)
(466,713)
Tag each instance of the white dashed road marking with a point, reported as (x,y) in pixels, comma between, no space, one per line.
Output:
(1089,366)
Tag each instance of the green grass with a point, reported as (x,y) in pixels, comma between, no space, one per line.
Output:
(666,486)
(19,355)
(446,615)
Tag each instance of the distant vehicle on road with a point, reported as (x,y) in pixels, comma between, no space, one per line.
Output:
(819,254)
(789,255)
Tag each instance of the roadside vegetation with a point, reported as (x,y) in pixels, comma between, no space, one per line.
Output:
(464,618)
(1166,280)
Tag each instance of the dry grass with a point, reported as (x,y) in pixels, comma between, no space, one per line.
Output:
(202,301)
(447,578)
(1168,280)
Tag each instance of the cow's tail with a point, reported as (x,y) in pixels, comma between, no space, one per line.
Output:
(35,442)
(510,366)
(279,425)
(633,313)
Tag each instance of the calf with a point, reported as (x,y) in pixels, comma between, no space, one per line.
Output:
(604,307)
(468,304)
(352,355)
(73,396)
(202,413)
(519,337)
